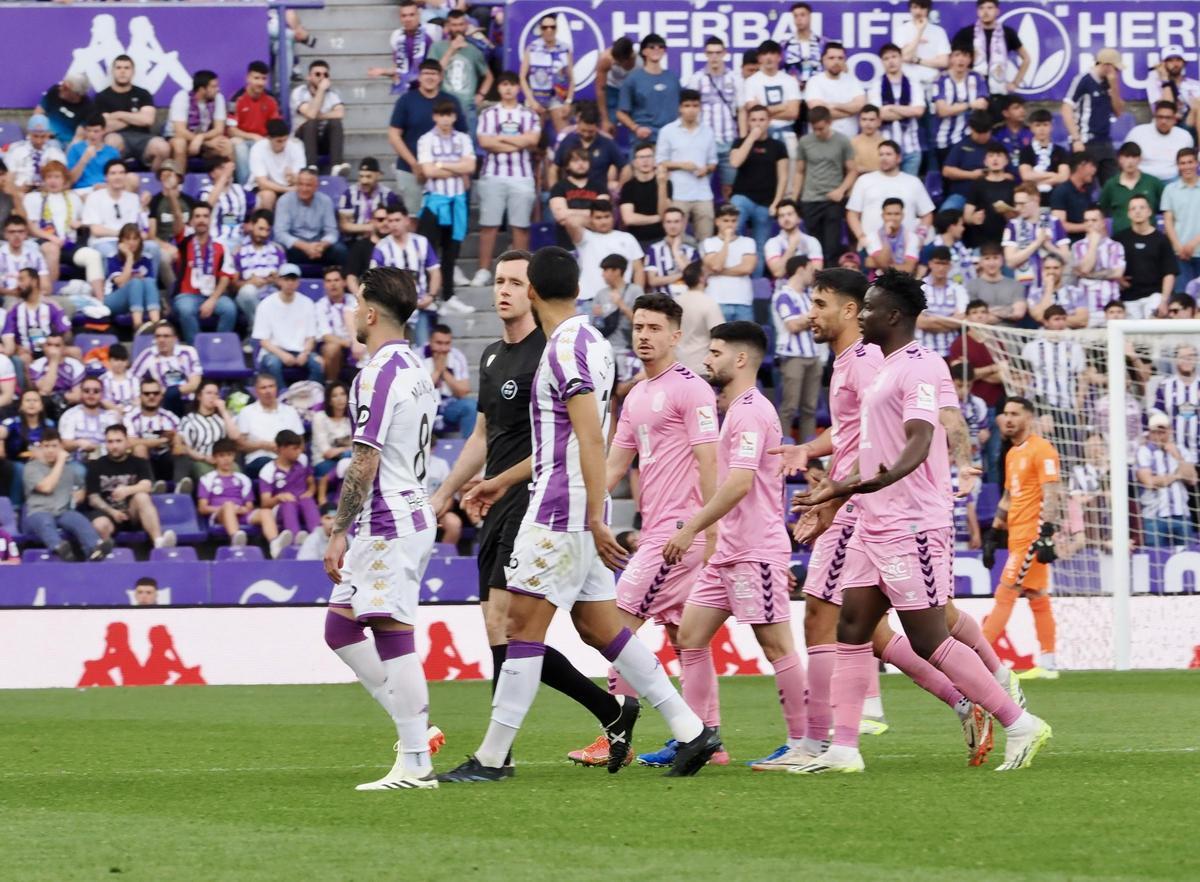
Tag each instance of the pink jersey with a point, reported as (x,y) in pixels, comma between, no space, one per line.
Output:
(913,384)
(663,419)
(853,371)
(755,529)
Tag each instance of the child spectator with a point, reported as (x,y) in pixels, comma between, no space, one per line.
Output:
(120,386)
(286,485)
(226,497)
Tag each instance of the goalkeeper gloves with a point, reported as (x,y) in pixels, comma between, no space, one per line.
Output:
(1043,547)
(994,538)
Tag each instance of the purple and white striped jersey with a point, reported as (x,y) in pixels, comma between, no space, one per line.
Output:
(1162,502)
(394,406)
(1110,254)
(258,261)
(802,57)
(433,147)
(331,317)
(29,257)
(1069,297)
(661,259)
(718,103)
(217,489)
(172,369)
(974,411)
(414,254)
(549,70)
(294,479)
(70,373)
(229,213)
(1019,233)
(952,129)
(31,327)
(456,364)
(361,205)
(408,51)
(1056,363)
(809,247)
(1179,398)
(786,304)
(121,391)
(500,120)
(152,425)
(79,424)
(577,361)
(944,300)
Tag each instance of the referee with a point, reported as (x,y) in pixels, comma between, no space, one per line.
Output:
(503,438)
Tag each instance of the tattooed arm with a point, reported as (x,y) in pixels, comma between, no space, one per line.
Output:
(364,463)
(959,437)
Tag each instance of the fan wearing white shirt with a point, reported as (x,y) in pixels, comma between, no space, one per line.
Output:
(595,244)
(318,111)
(285,326)
(196,121)
(777,91)
(275,161)
(790,242)
(924,46)
(838,89)
(730,260)
(864,210)
(901,103)
(25,159)
(105,211)
(1161,140)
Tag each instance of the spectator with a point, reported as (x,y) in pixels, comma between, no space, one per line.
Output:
(1131,181)
(129,116)
(779,93)
(949,229)
(730,260)
(197,121)
(89,158)
(118,492)
(958,94)
(1012,134)
(893,246)
(152,431)
(718,88)
(945,305)
(362,247)
(964,165)
(313,548)
(667,258)
(991,46)
(170,214)
(1043,162)
(825,174)
(228,201)
(1070,198)
(650,93)
(120,387)
(52,492)
(1096,96)
(275,163)
(1181,217)
(1150,266)
(989,205)
(761,162)
(612,307)
(451,376)
(864,211)
(204,275)
(286,487)
(1099,261)
(306,225)
(790,241)
(360,202)
(318,111)
(604,156)
(131,289)
(253,108)
(285,327)
(55,215)
(447,162)
(261,421)
(21,433)
(256,265)
(837,88)
(412,117)
(226,497)
(334,333)
(687,150)
(1004,297)
(971,349)
(1051,289)
(1032,235)
(548,74)
(18,253)
(573,196)
(802,51)
(410,45)
(800,364)
(26,159)
(866,143)
(612,69)
(105,211)
(1181,305)
(1161,141)
(199,431)
(1178,396)
(67,105)
(901,104)
(1056,361)
(414,253)
(1165,473)
(331,434)
(32,321)
(8,385)
(700,315)
(508,133)
(597,242)
(466,70)
(1169,82)
(176,366)
(57,375)
(145,592)
(645,196)
(81,428)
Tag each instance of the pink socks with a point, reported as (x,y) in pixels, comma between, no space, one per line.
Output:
(899,652)
(973,680)
(851,679)
(966,630)
(789,677)
(700,684)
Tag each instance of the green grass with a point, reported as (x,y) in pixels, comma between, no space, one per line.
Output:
(256,783)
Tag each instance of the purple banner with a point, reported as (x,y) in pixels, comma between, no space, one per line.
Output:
(1062,37)
(168,42)
(101,584)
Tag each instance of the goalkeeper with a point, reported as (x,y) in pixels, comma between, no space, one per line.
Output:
(1026,520)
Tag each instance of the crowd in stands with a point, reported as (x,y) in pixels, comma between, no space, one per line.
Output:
(729,190)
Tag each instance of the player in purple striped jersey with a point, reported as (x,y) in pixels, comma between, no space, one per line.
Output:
(565,544)
(377,573)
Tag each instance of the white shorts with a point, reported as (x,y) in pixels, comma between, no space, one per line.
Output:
(381,578)
(499,195)
(561,567)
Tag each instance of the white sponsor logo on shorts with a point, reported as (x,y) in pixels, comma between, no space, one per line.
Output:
(895,569)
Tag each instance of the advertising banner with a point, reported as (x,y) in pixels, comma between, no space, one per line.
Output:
(1062,37)
(168,42)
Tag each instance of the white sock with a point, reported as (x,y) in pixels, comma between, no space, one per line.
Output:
(813,746)
(410,703)
(796,742)
(641,669)
(362,658)
(963,707)
(1023,724)
(1048,662)
(873,707)
(518,686)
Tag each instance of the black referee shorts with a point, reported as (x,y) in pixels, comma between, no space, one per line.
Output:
(497,536)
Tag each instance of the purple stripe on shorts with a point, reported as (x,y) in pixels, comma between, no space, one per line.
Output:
(393,644)
(524,649)
(523,591)
(613,649)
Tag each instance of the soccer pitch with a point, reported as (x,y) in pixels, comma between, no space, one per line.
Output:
(256,783)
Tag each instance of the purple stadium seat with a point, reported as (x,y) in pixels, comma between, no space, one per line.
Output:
(444,549)
(762,289)
(37,556)
(141,343)
(148,183)
(86,341)
(242,554)
(194,182)
(221,356)
(178,554)
(120,555)
(313,289)
(177,511)
(10,132)
(333,186)
(449,449)
(289,553)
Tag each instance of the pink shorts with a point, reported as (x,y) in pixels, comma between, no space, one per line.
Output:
(755,592)
(830,560)
(915,571)
(652,588)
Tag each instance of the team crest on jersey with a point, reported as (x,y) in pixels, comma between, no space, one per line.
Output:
(491,358)
(533,581)
(377,600)
(364,414)
(546,544)
(509,390)
(1051,468)
(925,396)
(895,569)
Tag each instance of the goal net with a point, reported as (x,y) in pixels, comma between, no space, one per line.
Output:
(1119,406)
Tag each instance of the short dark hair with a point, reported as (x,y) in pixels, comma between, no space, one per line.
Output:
(1052,310)
(444,107)
(686,95)
(49,433)
(430,64)
(614,262)
(201,79)
(259,67)
(441,328)
(124,57)
(995,147)
(843,282)
(661,303)
(392,290)
(748,334)
(224,445)
(904,290)
(938,252)
(714,41)
(866,108)
(602,206)
(987,249)
(507,76)
(961,370)
(945,219)
(1080,159)
(1094,207)
(554,274)
(287,438)
(976,304)
(1183,300)
(923,4)
(820,113)
(642,145)
(979,121)
(514,254)
(331,270)
(14,220)
(262,214)
(890,144)
(889,47)
(118,350)
(1041,115)
(147,581)
(769,47)
(892,200)
(750,56)
(318,62)
(1024,403)
(1164,105)
(1185,151)
(832,44)
(119,428)
(692,274)
(1129,148)
(114,162)
(794,263)
(588,113)
(762,108)
(622,48)
(148,380)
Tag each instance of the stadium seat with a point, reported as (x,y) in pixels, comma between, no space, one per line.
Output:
(177,511)
(178,554)
(449,449)
(240,554)
(86,340)
(194,182)
(333,186)
(10,132)
(141,343)
(313,289)
(762,288)
(289,553)
(148,183)
(444,549)
(37,556)
(131,537)
(221,356)
(120,555)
